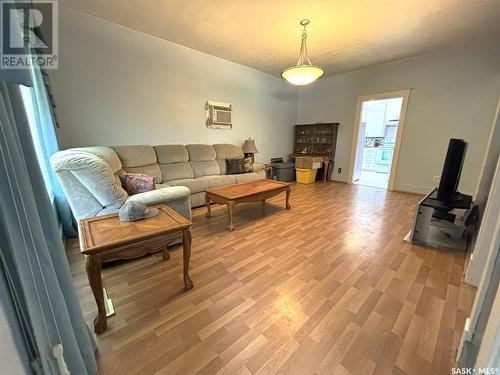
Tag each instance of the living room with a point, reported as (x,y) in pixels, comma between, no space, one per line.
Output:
(272,276)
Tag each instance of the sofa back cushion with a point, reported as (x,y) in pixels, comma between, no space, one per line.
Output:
(139,159)
(105,153)
(89,180)
(202,160)
(174,162)
(226,151)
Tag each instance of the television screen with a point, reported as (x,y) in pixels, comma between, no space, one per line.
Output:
(450,177)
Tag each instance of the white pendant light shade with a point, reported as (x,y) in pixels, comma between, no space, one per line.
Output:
(302,75)
(304,72)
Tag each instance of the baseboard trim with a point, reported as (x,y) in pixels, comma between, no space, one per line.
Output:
(338,180)
(409,188)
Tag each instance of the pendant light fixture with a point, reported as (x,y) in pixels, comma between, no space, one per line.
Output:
(304,72)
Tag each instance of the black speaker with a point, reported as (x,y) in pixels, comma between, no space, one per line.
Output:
(452,168)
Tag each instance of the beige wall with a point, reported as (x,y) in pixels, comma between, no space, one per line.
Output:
(117,86)
(454,94)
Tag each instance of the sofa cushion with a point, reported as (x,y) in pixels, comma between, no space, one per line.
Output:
(248,177)
(201,152)
(195,185)
(235,166)
(88,182)
(176,197)
(136,156)
(135,183)
(161,186)
(152,170)
(176,171)
(161,195)
(139,159)
(217,181)
(105,153)
(197,199)
(258,167)
(167,154)
(205,168)
(248,164)
(226,151)
(174,162)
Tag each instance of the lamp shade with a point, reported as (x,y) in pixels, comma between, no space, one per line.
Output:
(249,146)
(302,74)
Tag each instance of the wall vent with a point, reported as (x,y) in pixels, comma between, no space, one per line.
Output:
(218,115)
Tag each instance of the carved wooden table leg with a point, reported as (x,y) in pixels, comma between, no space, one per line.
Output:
(326,164)
(287,204)
(209,210)
(188,284)
(93,267)
(230,208)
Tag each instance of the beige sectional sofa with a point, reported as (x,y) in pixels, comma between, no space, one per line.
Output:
(89,176)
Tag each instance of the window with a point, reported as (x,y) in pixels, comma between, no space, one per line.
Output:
(39,138)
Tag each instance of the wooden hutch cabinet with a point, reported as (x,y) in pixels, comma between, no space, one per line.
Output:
(318,139)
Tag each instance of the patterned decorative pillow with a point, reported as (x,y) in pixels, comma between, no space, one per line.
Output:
(235,166)
(135,183)
(248,164)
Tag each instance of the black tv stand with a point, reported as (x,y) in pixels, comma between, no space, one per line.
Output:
(436,224)
(459,200)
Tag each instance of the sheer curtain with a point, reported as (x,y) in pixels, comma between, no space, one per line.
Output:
(34,266)
(43,129)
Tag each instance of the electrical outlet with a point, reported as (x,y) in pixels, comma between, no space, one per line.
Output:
(339,170)
(435,179)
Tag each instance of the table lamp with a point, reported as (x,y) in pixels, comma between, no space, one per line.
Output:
(249,148)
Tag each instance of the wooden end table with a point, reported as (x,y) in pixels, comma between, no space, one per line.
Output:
(105,238)
(254,191)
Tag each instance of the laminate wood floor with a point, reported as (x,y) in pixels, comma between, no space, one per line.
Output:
(328,287)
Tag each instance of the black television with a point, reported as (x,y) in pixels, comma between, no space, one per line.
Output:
(452,168)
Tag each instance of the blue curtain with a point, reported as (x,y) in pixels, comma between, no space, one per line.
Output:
(13,331)
(49,145)
(45,123)
(34,262)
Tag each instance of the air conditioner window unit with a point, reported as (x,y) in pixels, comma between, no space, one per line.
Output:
(218,115)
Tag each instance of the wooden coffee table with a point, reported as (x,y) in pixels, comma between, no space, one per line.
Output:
(254,191)
(106,238)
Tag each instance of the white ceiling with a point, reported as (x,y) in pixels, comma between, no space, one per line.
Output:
(344,35)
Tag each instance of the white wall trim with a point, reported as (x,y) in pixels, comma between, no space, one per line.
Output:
(488,148)
(483,194)
(489,238)
(399,138)
(385,95)
(405,94)
(409,188)
(355,136)
(489,350)
(491,221)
